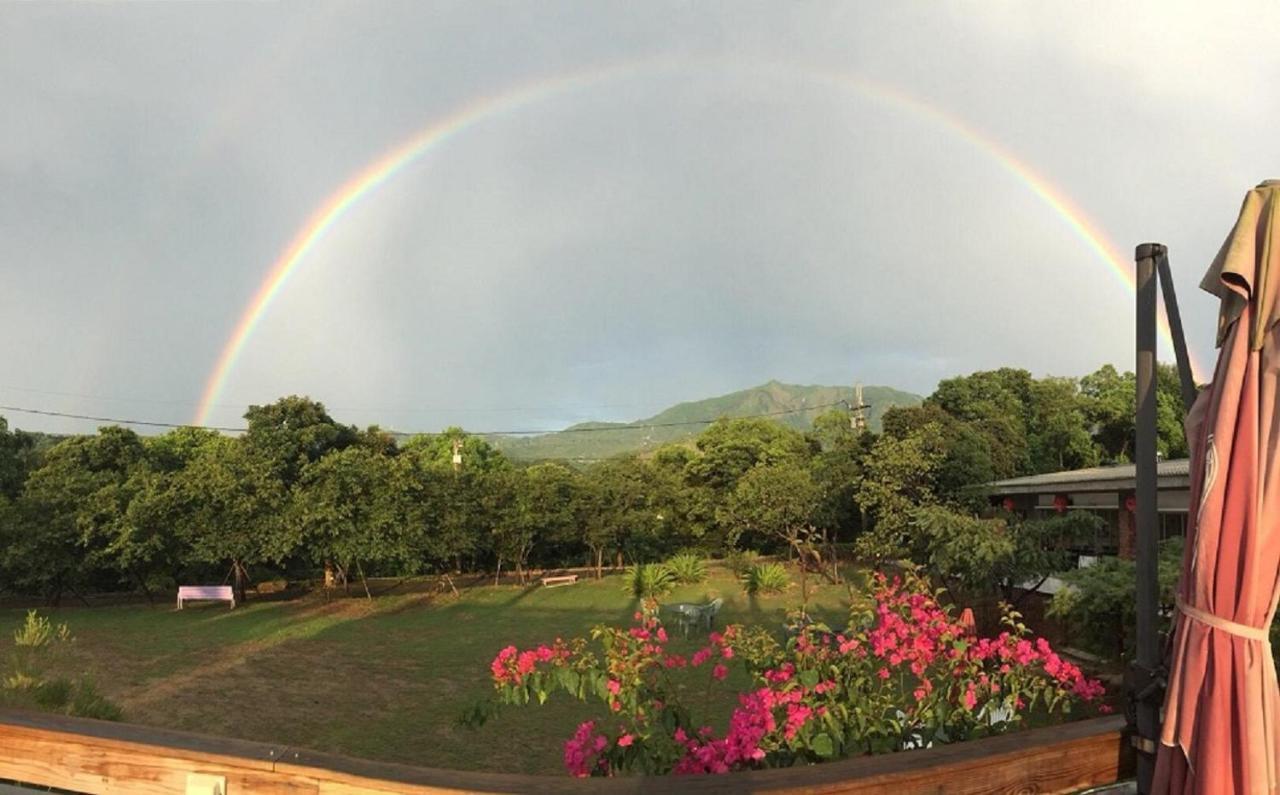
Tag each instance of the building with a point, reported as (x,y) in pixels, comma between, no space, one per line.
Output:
(1106,491)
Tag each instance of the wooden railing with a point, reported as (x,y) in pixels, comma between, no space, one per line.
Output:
(98,757)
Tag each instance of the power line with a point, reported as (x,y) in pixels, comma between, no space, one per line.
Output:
(117,421)
(599,429)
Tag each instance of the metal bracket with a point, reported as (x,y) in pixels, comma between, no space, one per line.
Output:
(1143,745)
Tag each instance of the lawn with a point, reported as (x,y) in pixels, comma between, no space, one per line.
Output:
(385,679)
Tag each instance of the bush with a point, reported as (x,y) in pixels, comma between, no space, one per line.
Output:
(89,703)
(649,580)
(741,561)
(766,578)
(1098,602)
(904,673)
(35,644)
(688,568)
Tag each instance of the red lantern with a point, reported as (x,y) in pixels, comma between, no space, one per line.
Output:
(1008,504)
(1060,503)
(1131,503)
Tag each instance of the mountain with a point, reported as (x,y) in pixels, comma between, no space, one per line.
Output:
(790,404)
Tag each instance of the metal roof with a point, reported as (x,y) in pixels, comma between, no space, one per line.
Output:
(1172,474)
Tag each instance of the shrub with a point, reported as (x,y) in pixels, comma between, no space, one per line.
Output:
(34,644)
(648,580)
(1098,602)
(89,703)
(688,568)
(766,578)
(903,674)
(741,561)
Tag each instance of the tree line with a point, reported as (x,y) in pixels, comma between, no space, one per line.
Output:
(299,492)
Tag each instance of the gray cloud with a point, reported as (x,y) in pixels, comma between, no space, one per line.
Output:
(699,226)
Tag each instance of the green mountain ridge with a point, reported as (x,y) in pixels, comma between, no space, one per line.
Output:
(795,405)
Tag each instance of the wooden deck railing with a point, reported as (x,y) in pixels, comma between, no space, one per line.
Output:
(98,757)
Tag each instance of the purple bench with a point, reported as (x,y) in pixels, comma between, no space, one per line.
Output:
(208,593)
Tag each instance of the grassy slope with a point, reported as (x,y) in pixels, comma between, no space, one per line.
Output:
(764,399)
(384,680)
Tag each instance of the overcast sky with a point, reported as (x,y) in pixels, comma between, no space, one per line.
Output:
(714,212)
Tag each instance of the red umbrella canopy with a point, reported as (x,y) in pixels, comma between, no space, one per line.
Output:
(1220,731)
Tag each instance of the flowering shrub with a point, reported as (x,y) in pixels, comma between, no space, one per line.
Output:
(903,674)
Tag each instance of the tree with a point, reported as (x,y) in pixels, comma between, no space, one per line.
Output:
(837,467)
(1109,398)
(616,501)
(293,432)
(344,510)
(966,457)
(477,454)
(898,478)
(55,544)
(997,404)
(17,459)
(531,505)
(1058,431)
(778,501)
(731,447)
(231,503)
(976,557)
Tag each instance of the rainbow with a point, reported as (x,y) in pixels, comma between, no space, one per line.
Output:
(381,170)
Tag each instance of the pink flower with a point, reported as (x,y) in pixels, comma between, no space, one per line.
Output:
(625,740)
(700,656)
(662,634)
(727,652)
(719,672)
(614,686)
(883,673)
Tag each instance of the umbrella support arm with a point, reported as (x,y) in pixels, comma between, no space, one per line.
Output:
(1186,378)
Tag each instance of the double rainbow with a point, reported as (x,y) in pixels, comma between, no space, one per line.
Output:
(369,179)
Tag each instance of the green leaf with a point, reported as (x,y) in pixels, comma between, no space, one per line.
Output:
(809,678)
(824,746)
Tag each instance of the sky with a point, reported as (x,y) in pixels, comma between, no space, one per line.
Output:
(635,204)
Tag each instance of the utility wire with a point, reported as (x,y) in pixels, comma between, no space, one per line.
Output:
(619,427)
(148,423)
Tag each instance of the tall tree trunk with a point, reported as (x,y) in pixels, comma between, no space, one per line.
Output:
(600,563)
(142,584)
(498,574)
(237,569)
(364,581)
(79,595)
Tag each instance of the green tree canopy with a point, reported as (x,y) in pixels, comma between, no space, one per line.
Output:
(230,505)
(293,432)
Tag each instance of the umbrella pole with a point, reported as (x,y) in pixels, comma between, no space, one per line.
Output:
(1185,377)
(1147,694)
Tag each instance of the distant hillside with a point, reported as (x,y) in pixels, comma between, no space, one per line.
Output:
(649,433)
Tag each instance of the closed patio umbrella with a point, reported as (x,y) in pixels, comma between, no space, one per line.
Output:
(1220,732)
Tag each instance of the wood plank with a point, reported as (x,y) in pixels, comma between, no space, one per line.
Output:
(100,757)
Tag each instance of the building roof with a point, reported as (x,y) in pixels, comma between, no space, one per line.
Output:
(1172,474)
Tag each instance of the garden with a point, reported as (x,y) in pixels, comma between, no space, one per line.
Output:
(412,626)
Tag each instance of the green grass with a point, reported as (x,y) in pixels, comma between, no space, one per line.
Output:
(382,680)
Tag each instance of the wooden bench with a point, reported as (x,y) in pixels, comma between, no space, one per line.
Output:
(207,593)
(564,579)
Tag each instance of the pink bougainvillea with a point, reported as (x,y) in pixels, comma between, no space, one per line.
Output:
(903,671)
